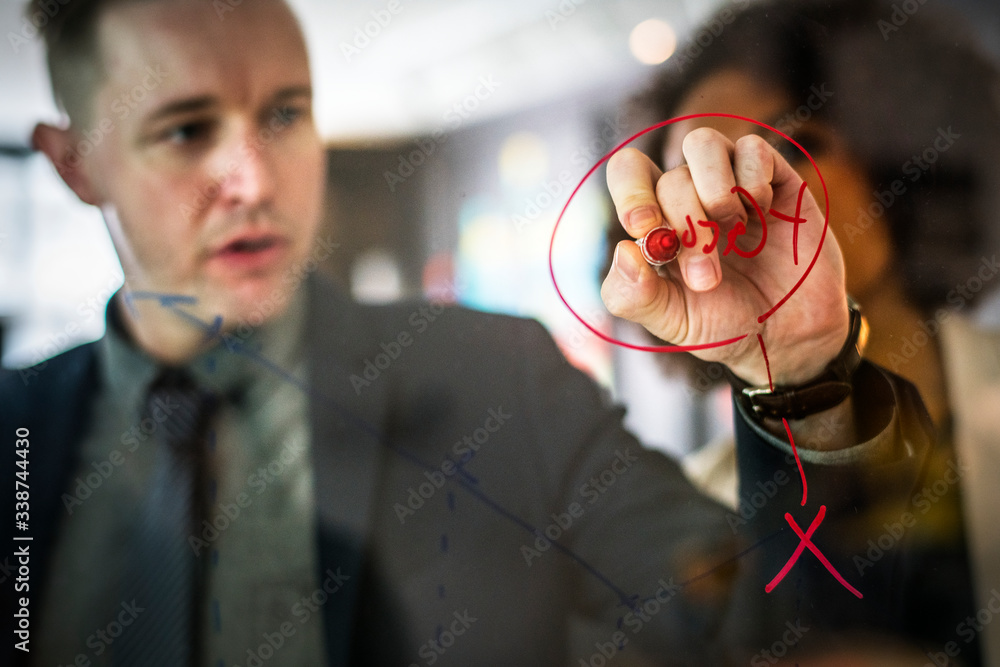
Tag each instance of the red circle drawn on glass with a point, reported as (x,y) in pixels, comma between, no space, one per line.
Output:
(761,318)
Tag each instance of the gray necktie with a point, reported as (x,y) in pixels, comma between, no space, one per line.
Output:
(162,572)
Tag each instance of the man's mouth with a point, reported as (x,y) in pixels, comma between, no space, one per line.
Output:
(251,253)
(249,245)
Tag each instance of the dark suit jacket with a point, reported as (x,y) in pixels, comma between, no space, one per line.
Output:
(480,495)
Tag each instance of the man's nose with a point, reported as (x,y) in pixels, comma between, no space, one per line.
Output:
(249,181)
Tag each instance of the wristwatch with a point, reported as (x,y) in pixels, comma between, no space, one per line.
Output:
(830,388)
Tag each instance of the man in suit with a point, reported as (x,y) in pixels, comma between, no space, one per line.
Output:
(470,499)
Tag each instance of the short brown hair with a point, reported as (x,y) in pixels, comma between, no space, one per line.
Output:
(72,51)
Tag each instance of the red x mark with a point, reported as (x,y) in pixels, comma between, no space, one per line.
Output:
(806,541)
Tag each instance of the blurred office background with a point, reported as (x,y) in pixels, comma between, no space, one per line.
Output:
(456,131)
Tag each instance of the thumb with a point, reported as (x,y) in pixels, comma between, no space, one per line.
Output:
(634,291)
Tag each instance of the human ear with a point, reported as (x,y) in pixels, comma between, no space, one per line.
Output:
(57,144)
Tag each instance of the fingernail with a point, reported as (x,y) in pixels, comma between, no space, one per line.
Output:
(641,218)
(700,274)
(626,266)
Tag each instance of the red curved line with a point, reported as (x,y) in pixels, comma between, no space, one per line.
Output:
(802,473)
(607,156)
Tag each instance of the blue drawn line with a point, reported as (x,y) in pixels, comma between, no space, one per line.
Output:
(237,346)
(166,300)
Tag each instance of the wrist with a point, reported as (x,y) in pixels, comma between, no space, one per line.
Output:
(818,391)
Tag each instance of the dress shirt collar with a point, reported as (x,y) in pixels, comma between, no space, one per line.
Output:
(243,364)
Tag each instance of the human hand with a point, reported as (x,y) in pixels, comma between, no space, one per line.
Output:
(709,297)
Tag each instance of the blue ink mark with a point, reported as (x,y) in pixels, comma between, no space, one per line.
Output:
(166,300)
(444,543)
(441,591)
(215,557)
(438,633)
(451,500)
(462,480)
(213,489)
(214,330)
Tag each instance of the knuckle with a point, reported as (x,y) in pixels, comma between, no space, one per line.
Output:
(752,143)
(699,138)
(674,185)
(761,192)
(721,203)
(753,153)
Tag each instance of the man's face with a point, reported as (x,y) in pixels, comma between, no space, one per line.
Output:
(211,176)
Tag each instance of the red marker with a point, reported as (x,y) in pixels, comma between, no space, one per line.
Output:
(659,246)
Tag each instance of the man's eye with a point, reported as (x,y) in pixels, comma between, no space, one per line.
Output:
(186,133)
(287,115)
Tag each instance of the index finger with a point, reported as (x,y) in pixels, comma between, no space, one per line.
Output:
(632,179)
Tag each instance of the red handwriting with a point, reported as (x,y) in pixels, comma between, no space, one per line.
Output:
(794,219)
(740,229)
(709,247)
(688,237)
